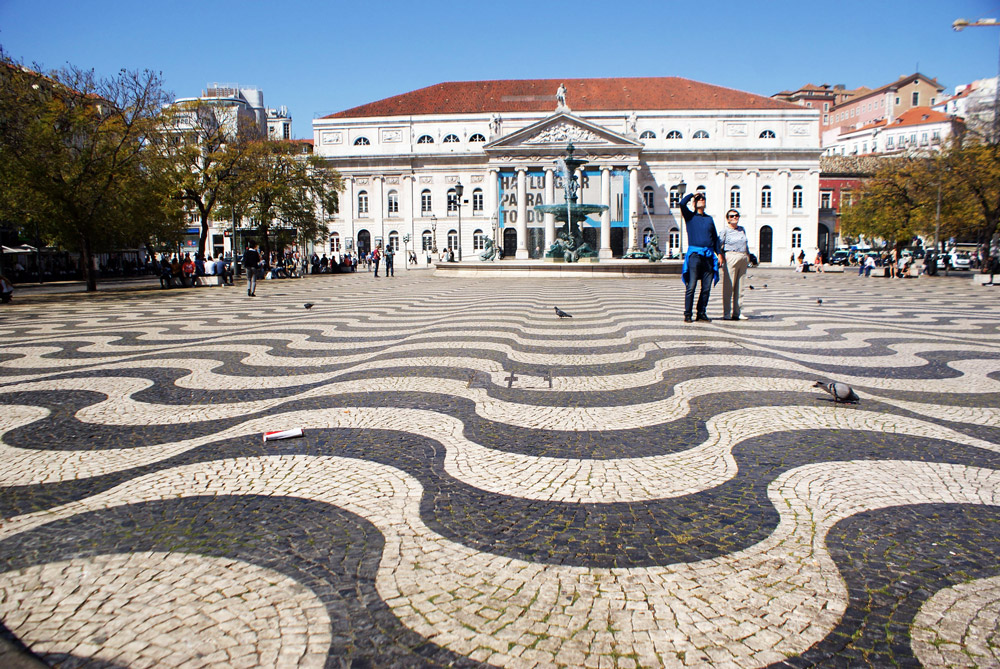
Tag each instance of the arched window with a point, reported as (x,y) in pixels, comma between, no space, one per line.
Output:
(361,141)
(452,201)
(392,203)
(425,202)
(453,240)
(647,198)
(478,137)
(426,241)
(734,197)
(477,201)
(765,197)
(796,238)
(701,134)
(335,242)
(647,134)
(394,240)
(797,197)
(425,139)
(362,204)
(767,134)
(478,240)
(675,134)
(675,197)
(451,139)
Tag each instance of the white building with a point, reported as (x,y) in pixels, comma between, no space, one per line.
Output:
(973,102)
(402,158)
(279,123)
(917,130)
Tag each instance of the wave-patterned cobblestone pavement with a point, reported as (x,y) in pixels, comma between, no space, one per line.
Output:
(482,483)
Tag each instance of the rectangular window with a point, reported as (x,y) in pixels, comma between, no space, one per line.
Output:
(888,141)
(675,198)
(734,198)
(826,199)
(765,198)
(335,244)
(393,204)
(425,202)
(916,98)
(477,202)
(897,99)
(797,198)
(826,106)
(826,120)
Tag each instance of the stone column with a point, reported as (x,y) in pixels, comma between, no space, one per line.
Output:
(352,203)
(782,206)
(493,205)
(550,198)
(605,250)
(406,208)
(378,205)
(633,205)
(522,214)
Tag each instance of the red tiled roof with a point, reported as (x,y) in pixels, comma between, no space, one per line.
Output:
(539,95)
(876,124)
(920,116)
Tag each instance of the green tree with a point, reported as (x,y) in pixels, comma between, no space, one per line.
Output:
(971,172)
(891,204)
(280,185)
(72,158)
(204,147)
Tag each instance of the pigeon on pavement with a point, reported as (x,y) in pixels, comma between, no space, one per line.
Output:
(819,301)
(561,314)
(308,305)
(841,392)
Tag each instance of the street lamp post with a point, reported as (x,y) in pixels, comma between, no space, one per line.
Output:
(434,234)
(406,252)
(459,189)
(959,25)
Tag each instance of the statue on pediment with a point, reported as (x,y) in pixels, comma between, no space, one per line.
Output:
(561,105)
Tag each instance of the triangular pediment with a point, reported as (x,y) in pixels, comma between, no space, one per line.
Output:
(556,131)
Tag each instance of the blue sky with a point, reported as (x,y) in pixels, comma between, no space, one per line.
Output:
(320,57)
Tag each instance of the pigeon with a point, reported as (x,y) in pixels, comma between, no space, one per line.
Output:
(561,314)
(841,392)
(308,305)
(751,287)
(819,301)
(765,285)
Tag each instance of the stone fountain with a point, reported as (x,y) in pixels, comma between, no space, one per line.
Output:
(569,245)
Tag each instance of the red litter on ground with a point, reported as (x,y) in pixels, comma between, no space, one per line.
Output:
(283,434)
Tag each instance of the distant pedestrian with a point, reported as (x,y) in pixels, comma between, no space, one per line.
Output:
(389,257)
(251,262)
(376,258)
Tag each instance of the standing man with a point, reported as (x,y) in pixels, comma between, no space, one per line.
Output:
(701,263)
(251,261)
(735,259)
(389,253)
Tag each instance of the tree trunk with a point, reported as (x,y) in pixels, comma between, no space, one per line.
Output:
(203,240)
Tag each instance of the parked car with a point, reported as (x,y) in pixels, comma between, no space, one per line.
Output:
(840,258)
(957,260)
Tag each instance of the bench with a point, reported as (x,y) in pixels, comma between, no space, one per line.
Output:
(833,268)
(983,279)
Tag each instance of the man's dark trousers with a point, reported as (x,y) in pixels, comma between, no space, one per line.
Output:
(701,269)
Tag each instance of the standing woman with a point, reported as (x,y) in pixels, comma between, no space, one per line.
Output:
(701,263)
(735,260)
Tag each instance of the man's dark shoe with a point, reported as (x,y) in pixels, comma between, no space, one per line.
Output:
(703,317)
(688,319)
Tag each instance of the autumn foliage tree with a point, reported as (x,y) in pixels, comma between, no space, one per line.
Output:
(73,159)
(204,149)
(279,184)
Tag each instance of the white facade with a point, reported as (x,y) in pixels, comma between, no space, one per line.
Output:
(399,171)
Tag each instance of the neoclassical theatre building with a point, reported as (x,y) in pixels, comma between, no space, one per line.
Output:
(499,143)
